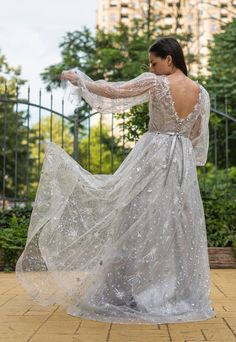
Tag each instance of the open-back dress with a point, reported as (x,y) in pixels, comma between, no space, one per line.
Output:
(129,246)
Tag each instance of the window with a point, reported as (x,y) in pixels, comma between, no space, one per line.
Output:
(213,27)
(113,3)
(112,17)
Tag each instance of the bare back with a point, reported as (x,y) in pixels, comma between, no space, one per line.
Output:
(184,93)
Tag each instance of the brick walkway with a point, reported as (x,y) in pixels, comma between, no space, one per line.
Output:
(22,320)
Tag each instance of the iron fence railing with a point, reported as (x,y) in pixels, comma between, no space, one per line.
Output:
(23,146)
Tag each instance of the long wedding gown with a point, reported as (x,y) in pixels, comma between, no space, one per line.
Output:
(132,246)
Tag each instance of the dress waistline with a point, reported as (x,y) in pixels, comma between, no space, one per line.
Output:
(176,136)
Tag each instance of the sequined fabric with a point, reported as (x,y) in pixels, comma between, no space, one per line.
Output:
(132,246)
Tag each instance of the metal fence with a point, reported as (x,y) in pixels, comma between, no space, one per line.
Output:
(23,146)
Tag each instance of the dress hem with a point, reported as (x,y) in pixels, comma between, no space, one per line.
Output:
(195,316)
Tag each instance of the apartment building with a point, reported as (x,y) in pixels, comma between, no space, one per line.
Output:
(201,17)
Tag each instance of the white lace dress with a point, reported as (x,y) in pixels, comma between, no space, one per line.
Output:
(132,246)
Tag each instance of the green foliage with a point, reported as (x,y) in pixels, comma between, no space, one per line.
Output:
(136,121)
(115,56)
(13,234)
(103,149)
(10,123)
(9,76)
(76,50)
(222,66)
(219,206)
(219,200)
(120,56)
(221,86)
(123,54)
(220,213)
(22,214)
(221,179)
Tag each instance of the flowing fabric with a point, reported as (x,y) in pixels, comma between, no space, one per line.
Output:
(132,246)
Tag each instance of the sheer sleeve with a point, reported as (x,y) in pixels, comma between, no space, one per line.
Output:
(200,132)
(108,97)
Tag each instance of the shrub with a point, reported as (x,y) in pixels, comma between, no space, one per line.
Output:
(14,225)
(219,200)
(220,214)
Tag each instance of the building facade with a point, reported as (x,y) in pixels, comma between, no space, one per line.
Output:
(201,17)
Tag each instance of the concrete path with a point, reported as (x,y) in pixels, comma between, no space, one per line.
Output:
(21,320)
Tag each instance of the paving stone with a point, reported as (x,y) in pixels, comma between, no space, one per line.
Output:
(23,320)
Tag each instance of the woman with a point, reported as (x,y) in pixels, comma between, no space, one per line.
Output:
(132,246)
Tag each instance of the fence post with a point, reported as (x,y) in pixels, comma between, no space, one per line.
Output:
(76,126)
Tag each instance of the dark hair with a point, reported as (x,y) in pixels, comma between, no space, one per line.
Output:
(165,46)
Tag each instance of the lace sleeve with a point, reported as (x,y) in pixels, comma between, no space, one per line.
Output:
(108,97)
(200,133)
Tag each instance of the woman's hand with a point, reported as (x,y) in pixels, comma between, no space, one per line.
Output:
(70,76)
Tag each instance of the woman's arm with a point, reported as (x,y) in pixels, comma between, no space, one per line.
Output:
(113,90)
(199,134)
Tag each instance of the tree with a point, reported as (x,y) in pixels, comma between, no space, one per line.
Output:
(114,56)
(221,84)
(13,132)
(37,152)
(103,151)
(222,68)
